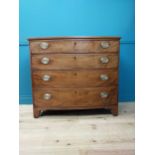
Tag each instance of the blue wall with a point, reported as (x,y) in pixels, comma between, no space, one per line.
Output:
(78,17)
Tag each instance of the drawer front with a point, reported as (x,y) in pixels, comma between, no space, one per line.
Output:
(74,61)
(72,46)
(75,97)
(79,78)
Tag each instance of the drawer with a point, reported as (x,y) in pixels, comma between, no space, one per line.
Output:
(73,46)
(74,61)
(75,97)
(77,78)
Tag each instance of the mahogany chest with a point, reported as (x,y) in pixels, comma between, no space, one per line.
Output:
(74,73)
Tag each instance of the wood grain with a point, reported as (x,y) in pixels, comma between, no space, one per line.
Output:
(74,61)
(76,78)
(73,98)
(77,134)
(73,46)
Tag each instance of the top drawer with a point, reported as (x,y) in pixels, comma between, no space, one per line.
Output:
(73,46)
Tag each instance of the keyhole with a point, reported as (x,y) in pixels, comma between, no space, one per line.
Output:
(75,74)
(75,57)
(75,43)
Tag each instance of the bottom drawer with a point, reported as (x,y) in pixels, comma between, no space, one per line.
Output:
(71,98)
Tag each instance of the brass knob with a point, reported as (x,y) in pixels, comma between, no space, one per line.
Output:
(104,77)
(47,96)
(104,94)
(104,60)
(43,45)
(46,77)
(105,44)
(45,60)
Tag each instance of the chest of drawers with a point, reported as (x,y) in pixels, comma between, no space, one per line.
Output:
(74,73)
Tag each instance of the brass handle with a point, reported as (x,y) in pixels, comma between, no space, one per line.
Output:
(105,44)
(104,94)
(47,96)
(104,60)
(104,77)
(45,60)
(44,45)
(46,77)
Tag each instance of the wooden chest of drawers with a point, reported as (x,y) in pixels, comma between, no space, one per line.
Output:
(74,73)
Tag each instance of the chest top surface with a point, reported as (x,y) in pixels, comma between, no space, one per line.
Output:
(76,37)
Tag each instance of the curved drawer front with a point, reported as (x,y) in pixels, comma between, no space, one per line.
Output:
(75,97)
(73,46)
(79,78)
(74,61)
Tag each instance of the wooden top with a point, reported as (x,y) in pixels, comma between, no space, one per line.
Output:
(77,37)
